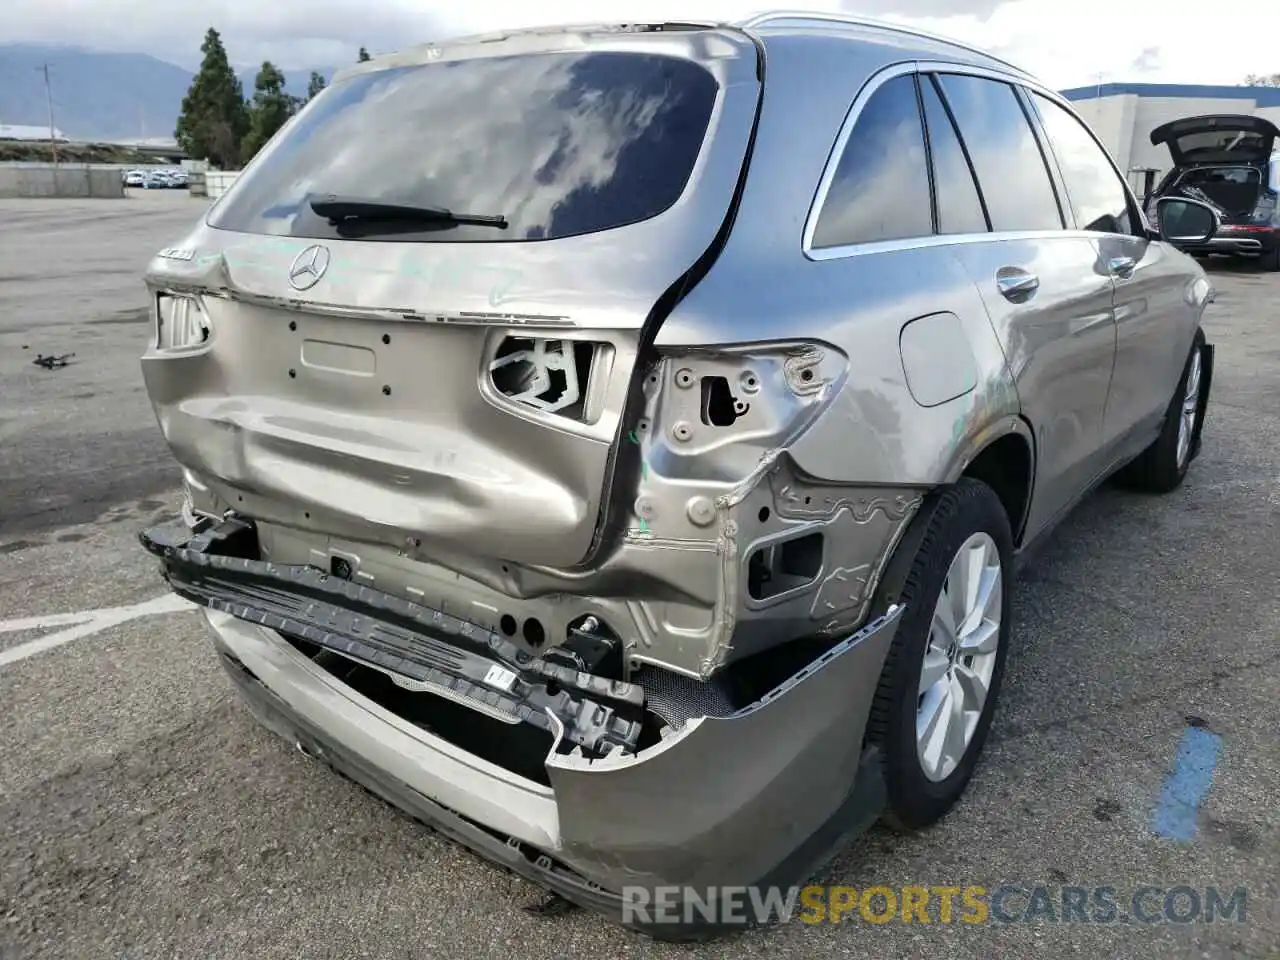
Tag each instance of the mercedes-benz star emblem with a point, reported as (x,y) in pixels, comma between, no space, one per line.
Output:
(308,267)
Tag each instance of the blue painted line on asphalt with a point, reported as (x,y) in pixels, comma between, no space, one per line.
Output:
(1187,785)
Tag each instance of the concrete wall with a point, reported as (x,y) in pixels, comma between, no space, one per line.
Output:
(210,183)
(63,180)
(216,182)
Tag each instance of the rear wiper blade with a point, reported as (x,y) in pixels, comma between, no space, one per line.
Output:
(337,209)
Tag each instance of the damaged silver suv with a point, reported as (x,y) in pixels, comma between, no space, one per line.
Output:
(614,444)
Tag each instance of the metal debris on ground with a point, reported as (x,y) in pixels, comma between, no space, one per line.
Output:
(50,362)
(552,905)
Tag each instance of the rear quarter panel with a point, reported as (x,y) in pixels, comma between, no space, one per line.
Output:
(763,287)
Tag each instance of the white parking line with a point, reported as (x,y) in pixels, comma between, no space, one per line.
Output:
(83,624)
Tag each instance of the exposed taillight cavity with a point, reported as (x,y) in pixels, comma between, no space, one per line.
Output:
(549,374)
(181,323)
(1266,208)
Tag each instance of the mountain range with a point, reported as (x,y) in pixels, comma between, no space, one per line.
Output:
(108,96)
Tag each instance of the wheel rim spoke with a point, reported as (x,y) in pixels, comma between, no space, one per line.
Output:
(973,687)
(933,733)
(982,640)
(956,738)
(936,666)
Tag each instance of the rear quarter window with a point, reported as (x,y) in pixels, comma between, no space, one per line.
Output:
(880,189)
(559,144)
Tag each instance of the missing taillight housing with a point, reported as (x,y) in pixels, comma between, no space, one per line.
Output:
(548,374)
(181,323)
(1265,209)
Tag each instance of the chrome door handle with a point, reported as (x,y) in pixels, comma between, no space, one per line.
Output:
(1122,266)
(1012,282)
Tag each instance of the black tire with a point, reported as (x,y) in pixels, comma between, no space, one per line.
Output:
(1270,262)
(943,525)
(1157,469)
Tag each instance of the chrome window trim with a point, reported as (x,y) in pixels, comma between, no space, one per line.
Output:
(944,239)
(869,88)
(816,16)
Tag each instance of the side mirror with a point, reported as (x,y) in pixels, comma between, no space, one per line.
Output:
(1185,222)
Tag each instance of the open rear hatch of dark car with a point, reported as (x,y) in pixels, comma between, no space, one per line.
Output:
(1217,139)
(1223,160)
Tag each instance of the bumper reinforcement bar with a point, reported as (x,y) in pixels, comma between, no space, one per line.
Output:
(215,565)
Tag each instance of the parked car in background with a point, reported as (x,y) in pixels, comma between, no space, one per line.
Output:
(637,497)
(1233,163)
(134,178)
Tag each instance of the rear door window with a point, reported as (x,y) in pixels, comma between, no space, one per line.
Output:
(559,144)
(880,190)
(959,205)
(1006,156)
(1096,192)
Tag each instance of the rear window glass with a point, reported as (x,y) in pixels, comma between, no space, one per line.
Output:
(557,144)
(1215,142)
(1241,175)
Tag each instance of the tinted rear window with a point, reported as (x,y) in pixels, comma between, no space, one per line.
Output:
(559,144)
(880,190)
(1239,175)
(1223,143)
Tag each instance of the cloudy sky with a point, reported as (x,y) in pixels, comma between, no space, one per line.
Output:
(1065,42)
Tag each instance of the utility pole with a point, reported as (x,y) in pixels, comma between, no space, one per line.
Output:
(48,95)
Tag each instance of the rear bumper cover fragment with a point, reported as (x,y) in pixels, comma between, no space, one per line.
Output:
(552,873)
(209,566)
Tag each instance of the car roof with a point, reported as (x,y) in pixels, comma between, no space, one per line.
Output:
(852,25)
(816,23)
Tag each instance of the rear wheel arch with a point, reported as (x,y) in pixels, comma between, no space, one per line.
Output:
(1007,465)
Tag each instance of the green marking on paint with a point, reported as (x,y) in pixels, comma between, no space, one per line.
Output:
(633,438)
(644,469)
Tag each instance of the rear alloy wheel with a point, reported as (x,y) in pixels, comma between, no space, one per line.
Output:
(1189,412)
(1270,262)
(959,657)
(941,679)
(1163,466)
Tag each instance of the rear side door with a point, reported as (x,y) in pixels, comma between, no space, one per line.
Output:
(1047,291)
(1150,277)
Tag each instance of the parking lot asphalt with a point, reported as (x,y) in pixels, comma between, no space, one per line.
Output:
(146,815)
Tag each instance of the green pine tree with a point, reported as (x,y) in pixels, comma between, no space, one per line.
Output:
(314,85)
(364,55)
(269,110)
(213,120)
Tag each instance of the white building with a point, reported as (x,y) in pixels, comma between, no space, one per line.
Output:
(1124,114)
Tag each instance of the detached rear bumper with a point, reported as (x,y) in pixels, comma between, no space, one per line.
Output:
(759,797)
